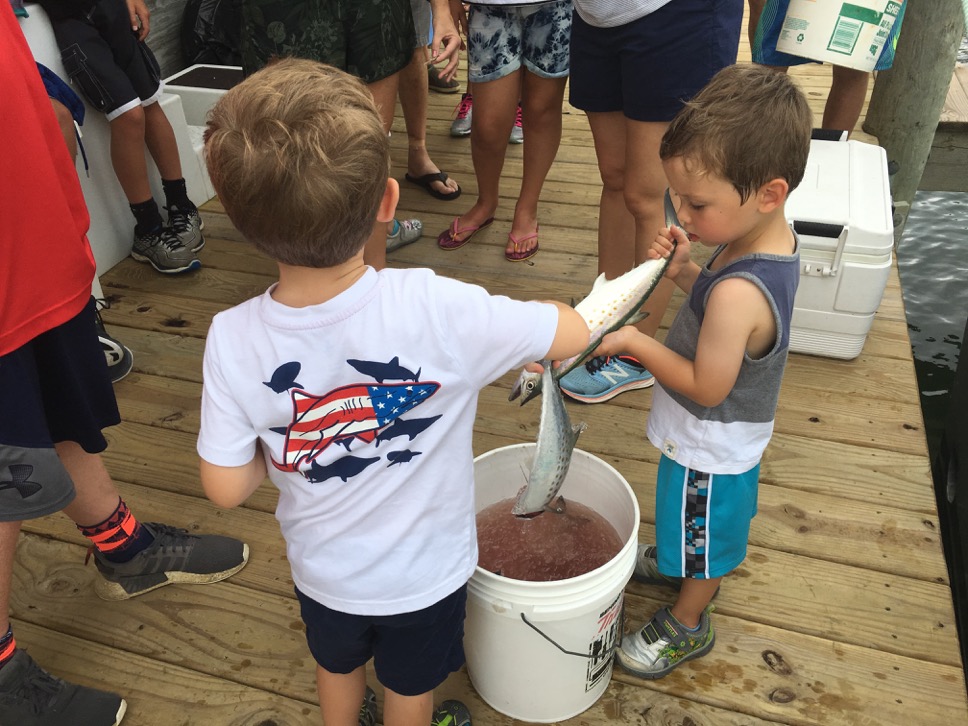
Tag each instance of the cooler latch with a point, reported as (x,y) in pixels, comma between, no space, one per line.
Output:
(822,229)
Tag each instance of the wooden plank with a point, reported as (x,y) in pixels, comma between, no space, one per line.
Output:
(955,109)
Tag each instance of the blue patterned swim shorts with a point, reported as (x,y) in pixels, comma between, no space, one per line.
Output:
(500,39)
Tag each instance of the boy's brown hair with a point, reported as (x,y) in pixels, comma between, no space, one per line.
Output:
(299,158)
(748,125)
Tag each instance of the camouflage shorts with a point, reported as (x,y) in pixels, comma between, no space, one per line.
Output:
(371,39)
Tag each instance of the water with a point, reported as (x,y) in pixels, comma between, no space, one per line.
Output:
(932,259)
(547,547)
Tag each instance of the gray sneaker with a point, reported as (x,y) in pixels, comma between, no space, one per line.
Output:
(404,232)
(367,715)
(647,569)
(175,556)
(119,357)
(462,123)
(30,696)
(517,131)
(663,643)
(164,251)
(188,225)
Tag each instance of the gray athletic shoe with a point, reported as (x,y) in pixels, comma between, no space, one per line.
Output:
(30,696)
(164,251)
(188,225)
(405,231)
(175,556)
(119,357)
(664,643)
(517,131)
(462,123)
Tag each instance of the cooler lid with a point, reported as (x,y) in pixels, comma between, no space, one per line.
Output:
(846,184)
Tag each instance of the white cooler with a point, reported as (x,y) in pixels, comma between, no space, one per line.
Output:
(842,213)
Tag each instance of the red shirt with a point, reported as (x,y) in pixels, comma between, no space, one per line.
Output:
(46,264)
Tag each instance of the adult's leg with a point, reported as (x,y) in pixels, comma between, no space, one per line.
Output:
(541,102)
(385,94)
(494,105)
(340,696)
(413,101)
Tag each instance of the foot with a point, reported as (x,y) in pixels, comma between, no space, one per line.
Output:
(664,643)
(521,247)
(603,378)
(174,556)
(188,225)
(436,183)
(464,113)
(119,357)
(30,696)
(163,250)
(451,713)
(403,232)
(462,229)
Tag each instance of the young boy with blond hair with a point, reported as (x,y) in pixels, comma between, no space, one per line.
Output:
(720,368)
(355,389)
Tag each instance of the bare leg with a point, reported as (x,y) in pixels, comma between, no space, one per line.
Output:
(340,696)
(756,9)
(848,91)
(9,531)
(542,99)
(407,710)
(385,94)
(413,101)
(494,105)
(128,155)
(693,598)
(97,497)
(161,143)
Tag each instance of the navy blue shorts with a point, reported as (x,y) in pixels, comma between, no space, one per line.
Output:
(103,57)
(649,68)
(412,653)
(55,388)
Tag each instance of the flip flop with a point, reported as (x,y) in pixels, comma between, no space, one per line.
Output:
(514,255)
(447,240)
(426,181)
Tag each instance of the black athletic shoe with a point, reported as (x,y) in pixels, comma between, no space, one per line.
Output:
(175,556)
(368,709)
(119,356)
(30,696)
(451,713)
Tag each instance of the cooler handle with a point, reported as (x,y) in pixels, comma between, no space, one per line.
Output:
(824,229)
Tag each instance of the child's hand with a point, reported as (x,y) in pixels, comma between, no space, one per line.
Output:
(139,14)
(662,247)
(617,342)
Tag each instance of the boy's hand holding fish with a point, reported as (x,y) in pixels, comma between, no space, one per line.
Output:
(675,243)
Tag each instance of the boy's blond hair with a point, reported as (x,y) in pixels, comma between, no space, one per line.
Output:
(299,158)
(748,125)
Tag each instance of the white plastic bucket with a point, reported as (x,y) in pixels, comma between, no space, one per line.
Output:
(850,34)
(516,631)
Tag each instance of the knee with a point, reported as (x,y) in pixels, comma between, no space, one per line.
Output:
(613,178)
(643,202)
(130,123)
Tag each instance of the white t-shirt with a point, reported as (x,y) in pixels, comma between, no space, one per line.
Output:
(364,409)
(612,13)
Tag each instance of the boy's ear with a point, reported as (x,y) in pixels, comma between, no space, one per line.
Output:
(772,195)
(388,205)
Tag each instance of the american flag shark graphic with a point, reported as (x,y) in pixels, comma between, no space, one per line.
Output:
(354,412)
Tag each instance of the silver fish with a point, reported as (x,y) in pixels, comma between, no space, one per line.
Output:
(552,454)
(610,305)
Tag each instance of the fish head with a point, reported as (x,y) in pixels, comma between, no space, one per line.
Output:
(528,386)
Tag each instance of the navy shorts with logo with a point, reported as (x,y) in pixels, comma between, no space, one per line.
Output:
(104,59)
(650,67)
(55,388)
(412,653)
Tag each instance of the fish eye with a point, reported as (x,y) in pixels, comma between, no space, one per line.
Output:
(529,385)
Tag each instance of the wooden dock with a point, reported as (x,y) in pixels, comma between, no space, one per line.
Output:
(841,615)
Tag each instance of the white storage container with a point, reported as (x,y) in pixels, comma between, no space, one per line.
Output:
(842,213)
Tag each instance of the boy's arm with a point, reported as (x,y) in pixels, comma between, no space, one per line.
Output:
(736,314)
(682,270)
(229,486)
(572,334)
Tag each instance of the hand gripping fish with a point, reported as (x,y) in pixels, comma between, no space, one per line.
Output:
(610,305)
(552,454)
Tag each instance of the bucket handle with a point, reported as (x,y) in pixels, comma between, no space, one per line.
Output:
(549,639)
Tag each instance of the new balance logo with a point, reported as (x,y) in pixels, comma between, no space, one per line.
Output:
(613,374)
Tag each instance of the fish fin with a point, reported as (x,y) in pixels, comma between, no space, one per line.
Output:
(559,506)
(599,281)
(637,317)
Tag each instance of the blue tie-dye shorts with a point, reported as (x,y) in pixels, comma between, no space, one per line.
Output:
(500,39)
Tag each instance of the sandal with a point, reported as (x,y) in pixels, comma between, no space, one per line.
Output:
(427,182)
(448,239)
(514,255)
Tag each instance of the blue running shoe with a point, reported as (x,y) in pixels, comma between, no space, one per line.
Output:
(603,378)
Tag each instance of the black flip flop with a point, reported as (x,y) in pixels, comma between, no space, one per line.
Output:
(426,181)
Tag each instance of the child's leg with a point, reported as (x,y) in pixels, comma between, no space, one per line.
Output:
(340,696)
(848,91)
(399,710)
(128,156)
(159,137)
(694,597)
